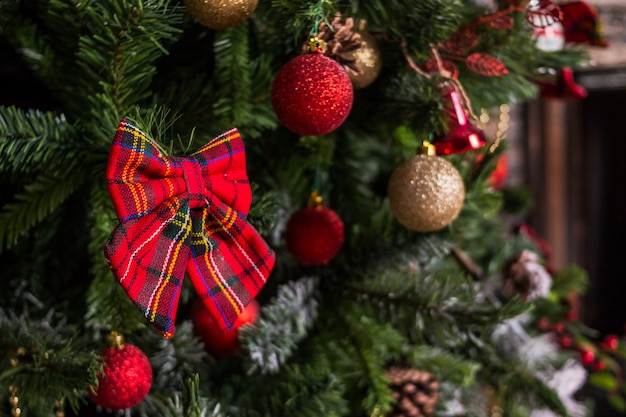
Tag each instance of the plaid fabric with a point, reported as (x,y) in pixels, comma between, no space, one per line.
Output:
(182,215)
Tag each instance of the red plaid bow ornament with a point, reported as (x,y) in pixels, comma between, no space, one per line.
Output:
(182,215)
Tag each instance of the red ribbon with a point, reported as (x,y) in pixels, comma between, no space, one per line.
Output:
(182,215)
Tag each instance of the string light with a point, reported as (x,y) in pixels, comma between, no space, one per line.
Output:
(486,123)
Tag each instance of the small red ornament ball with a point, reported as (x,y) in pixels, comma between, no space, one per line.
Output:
(312,94)
(314,235)
(125,380)
(216,341)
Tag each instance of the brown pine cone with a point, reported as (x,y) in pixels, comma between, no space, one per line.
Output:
(338,41)
(525,276)
(415,391)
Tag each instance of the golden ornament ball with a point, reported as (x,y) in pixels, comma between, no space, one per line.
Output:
(220,14)
(368,60)
(426,193)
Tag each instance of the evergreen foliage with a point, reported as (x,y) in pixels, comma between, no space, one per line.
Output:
(326,334)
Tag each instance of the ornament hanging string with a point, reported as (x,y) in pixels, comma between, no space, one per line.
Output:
(315,43)
(443,74)
(318,17)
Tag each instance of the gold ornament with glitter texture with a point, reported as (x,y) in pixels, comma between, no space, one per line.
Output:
(368,61)
(220,14)
(426,193)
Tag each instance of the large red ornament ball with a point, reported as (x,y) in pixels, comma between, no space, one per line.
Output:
(314,235)
(312,94)
(125,380)
(216,341)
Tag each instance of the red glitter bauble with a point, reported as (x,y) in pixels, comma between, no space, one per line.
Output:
(216,341)
(312,94)
(125,380)
(314,235)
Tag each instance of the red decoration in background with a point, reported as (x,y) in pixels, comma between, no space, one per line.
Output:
(565,87)
(449,66)
(486,64)
(461,41)
(314,235)
(501,22)
(463,136)
(498,176)
(532,234)
(312,94)
(582,24)
(611,342)
(216,341)
(542,13)
(126,378)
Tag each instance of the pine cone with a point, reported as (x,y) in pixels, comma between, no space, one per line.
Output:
(415,391)
(525,276)
(339,41)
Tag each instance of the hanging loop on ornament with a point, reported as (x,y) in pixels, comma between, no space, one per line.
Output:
(427,148)
(316,44)
(319,16)
(315,200)
(114,340)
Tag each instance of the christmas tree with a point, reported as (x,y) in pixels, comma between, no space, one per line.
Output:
(338,249)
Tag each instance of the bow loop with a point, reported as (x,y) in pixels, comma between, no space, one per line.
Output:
(184,215)
(223,163)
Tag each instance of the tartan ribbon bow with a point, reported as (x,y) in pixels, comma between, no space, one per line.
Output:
(182,215)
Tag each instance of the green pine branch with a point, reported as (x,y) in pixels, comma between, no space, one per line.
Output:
(32,141)
(283,324)
(117,55)
(108,306)
(46,360)
(173,362)
(240,89)
(39,199)
(232,77)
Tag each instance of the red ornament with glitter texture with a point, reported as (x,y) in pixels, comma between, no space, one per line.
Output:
(314,235)
(126,378)
(312,94)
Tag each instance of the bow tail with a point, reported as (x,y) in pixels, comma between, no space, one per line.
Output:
(145,256)
(229,263)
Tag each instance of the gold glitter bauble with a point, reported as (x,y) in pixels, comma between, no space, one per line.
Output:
(426,193)
(368,60)
(220,14)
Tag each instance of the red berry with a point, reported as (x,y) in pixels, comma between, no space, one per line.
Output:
(570,316)
(559,327)
(545,324)
(566,341)
(216,341)
(587,357)
(611,341)
(598,366)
